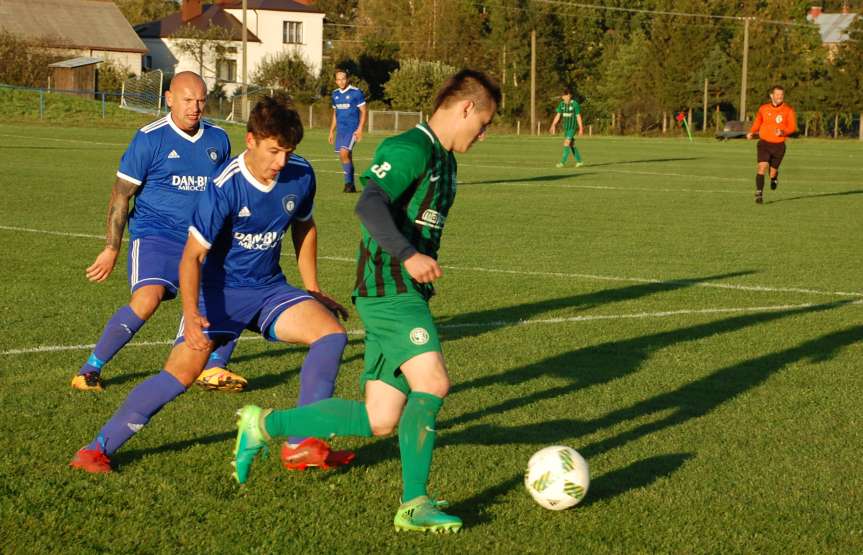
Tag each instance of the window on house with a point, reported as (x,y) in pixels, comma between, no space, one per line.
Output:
(227,71)
(292,32)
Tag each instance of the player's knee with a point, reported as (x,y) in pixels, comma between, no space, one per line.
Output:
(383,424)
(144,303)
(437,385)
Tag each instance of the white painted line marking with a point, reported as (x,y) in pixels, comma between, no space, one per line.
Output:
(495,324)
(595,277)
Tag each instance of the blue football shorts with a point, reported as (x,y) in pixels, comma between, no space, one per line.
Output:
(155,260)
(232,310)
(344,140)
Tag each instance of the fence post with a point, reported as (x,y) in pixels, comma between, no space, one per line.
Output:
(396,127)
(103,105)
(310,116)
(41,104)
(860,127)
(518,127)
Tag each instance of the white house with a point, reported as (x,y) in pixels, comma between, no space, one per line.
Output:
(273,27)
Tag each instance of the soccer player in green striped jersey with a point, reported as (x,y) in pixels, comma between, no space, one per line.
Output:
(569,112)
(408,192)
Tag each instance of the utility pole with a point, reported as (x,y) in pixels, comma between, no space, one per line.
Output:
(245,89)
(743,86)
(533,82)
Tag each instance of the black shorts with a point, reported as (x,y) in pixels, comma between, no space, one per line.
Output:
(772,153)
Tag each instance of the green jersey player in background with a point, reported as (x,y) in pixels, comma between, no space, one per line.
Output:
(407,194)
(569,112)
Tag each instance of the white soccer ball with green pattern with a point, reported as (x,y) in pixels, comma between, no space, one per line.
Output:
(557,477)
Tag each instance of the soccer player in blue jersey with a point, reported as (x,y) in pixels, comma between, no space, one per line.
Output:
(346,129)
(230,280)
(166,168)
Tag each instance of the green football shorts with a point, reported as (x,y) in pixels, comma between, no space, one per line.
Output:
(570,135)
(398,328)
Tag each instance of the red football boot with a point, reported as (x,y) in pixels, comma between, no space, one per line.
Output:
(91,460)
(313,453)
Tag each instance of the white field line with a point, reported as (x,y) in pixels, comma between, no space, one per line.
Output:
(498,167)
(39,138)
(565,275)
(491,325)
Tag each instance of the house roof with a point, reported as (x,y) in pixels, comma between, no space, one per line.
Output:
(833,26)
(212,15)
(274,5)
(74,24)
(77,62)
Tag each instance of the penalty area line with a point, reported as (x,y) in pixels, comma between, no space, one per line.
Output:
(490,325)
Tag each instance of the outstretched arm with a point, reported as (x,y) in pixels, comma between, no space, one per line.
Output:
(190,282)
(118,215)
(305,238)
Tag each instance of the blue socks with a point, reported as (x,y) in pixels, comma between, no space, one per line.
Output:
(142,403)
(221,356)
(320,368)
(348,170)
(119,330)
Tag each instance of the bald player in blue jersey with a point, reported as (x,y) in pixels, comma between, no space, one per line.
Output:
(166,168)
(231,280)
(346,129)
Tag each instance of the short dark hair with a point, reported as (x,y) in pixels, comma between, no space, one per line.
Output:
(567,91)
(342,70)
(273,117)
(468,84)
(775,87)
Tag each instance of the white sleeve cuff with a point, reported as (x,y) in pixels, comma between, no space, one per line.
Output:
(200,238)
(363,103)
(128,178)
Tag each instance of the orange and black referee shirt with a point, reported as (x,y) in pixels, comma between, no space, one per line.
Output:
(771,119)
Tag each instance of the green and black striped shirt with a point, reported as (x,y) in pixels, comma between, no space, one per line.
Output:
(419,177)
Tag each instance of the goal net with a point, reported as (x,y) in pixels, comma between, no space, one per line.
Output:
(389,121)
(143,93)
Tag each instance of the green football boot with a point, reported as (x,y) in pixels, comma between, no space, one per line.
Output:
(251,438)
(423,514)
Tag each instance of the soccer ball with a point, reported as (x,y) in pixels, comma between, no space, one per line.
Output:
(557,477)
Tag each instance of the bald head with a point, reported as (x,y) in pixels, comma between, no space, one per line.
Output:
(186,98)
(188,79)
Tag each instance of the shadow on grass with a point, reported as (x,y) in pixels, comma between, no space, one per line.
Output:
(479,322)
(687,402)
(644,161)
(554,177)
(818,195)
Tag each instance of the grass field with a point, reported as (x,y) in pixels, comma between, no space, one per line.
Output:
(703,354)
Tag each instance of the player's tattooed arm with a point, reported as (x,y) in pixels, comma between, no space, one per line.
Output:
(118,214)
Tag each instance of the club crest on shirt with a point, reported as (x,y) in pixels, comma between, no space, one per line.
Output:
(778,118)
(289,203)
(213,154)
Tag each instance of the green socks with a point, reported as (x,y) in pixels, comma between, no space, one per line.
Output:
(326,418)
(565,155)
(416,442)
(575,153)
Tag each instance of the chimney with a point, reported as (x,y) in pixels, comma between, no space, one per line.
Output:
(814,12)
(190,10)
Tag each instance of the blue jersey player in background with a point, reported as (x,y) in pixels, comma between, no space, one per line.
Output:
(166,168)
(230,280)
(346,129)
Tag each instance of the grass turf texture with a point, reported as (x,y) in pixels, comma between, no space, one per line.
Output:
(717,417)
